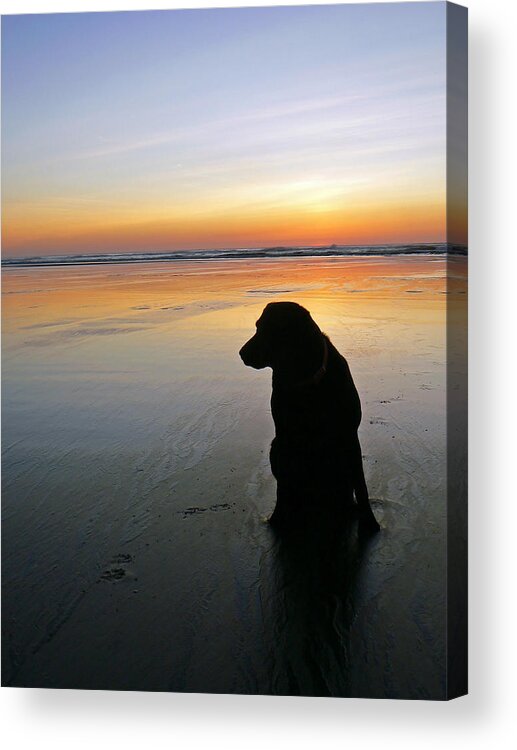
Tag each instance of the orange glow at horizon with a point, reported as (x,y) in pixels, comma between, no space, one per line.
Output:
(27,230)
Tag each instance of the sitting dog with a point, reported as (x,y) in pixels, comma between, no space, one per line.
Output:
(315,455)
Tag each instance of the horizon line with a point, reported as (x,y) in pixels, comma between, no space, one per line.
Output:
(241,253)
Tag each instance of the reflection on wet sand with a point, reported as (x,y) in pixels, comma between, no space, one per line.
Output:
(136,479)
(312,609)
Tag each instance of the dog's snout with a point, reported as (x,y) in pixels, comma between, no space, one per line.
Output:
(246,353)
(242,353)
(252,354)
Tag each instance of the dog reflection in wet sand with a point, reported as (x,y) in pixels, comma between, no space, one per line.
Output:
(315,455)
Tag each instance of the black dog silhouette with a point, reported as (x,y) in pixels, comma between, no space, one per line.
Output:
(315,455)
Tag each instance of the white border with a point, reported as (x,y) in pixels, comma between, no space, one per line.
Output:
(62,719)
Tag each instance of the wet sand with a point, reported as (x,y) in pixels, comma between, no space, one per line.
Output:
(136,482)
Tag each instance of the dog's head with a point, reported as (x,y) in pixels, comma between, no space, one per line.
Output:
(285,338)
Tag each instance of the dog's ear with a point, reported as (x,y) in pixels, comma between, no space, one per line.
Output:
(295,339)
(300,324)
(304,323)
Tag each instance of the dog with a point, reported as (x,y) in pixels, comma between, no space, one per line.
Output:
(315,455)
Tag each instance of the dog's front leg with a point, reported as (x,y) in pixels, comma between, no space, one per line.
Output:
(361,493)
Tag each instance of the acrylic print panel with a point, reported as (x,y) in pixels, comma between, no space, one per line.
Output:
(170,179)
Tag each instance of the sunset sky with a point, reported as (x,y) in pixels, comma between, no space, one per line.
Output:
(145,131)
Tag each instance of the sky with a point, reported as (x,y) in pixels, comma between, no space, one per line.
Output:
(154,131)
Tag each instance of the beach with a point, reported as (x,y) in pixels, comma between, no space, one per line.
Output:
(136,482)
